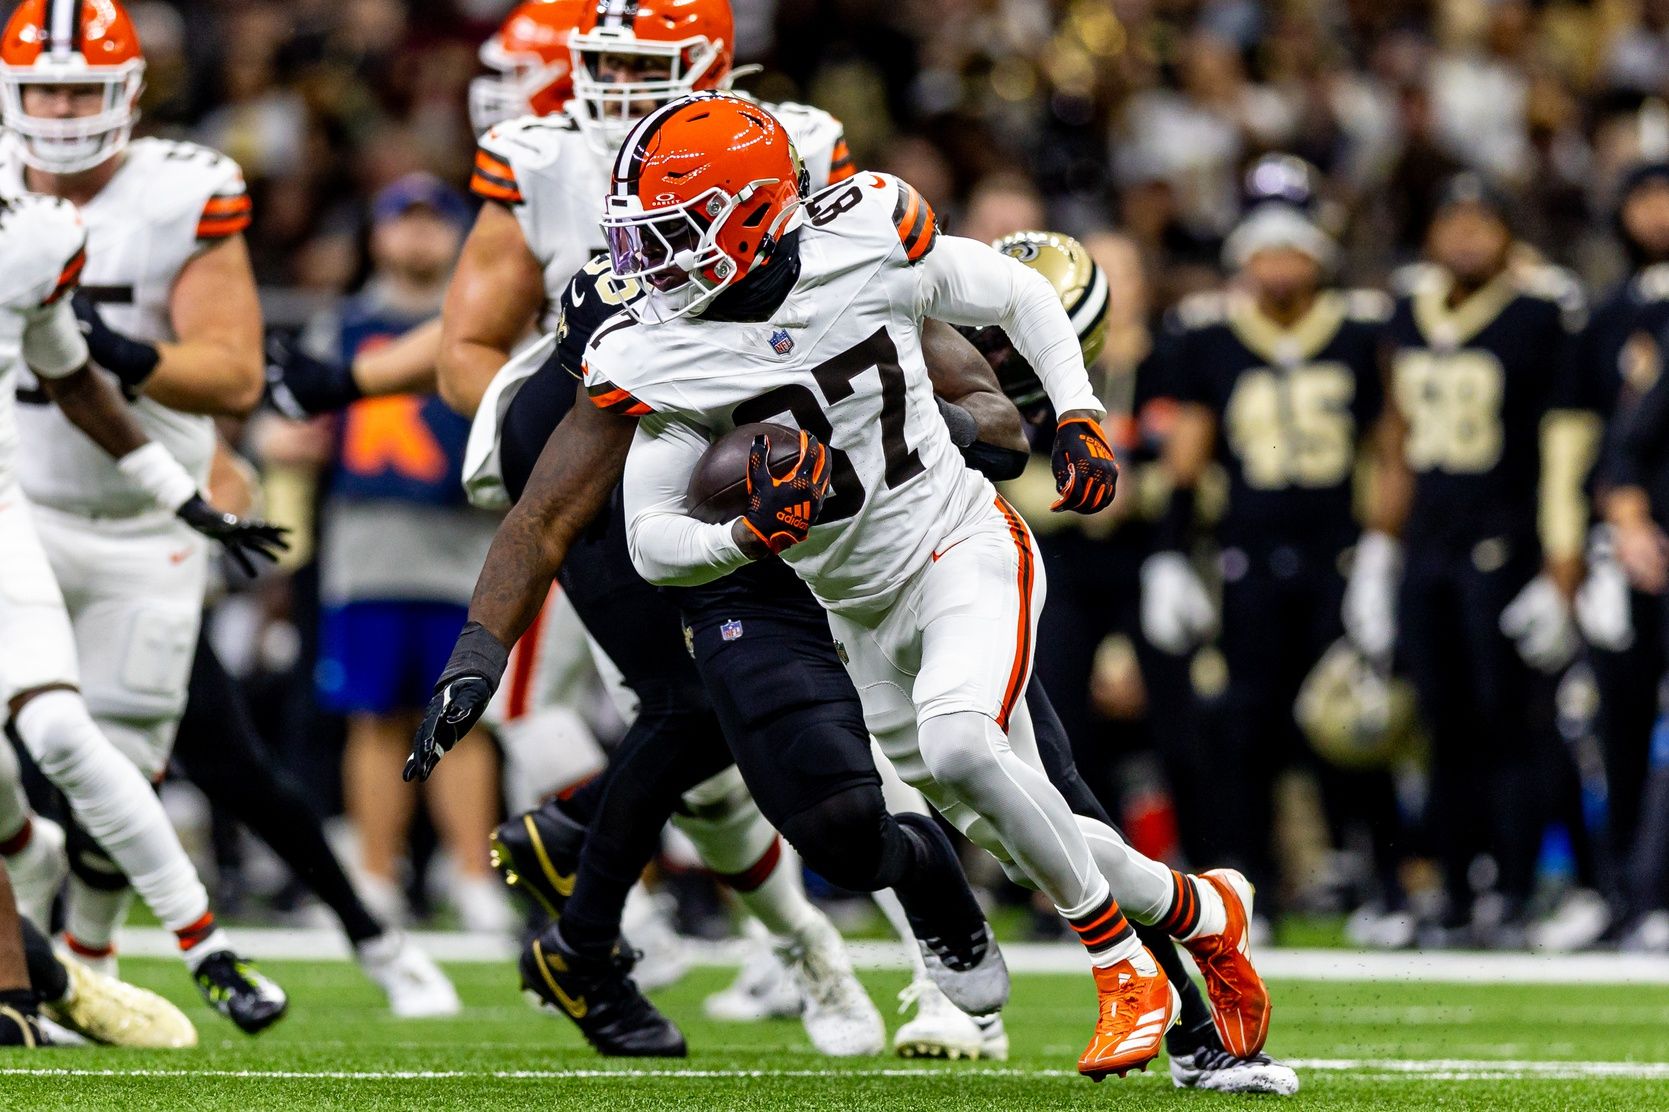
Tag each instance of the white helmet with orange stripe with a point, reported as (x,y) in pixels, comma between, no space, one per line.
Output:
(70,76)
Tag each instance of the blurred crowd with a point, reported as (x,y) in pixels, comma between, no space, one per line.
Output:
(1094,113)
(1128,123)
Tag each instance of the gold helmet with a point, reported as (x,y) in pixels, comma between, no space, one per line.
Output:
(1082,288)
(1355,714)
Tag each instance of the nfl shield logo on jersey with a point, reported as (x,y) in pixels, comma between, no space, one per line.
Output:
(731,630)
(781,342)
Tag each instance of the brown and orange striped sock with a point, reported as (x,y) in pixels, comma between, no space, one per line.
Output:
(1196,909)
(1105,933)
(1183,919)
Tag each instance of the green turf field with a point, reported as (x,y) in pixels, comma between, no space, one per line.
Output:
(1359,1046)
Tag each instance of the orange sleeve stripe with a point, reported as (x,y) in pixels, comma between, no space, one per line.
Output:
(494,189)
(494,165)
(911,202)
(68,277)
(220,227)
(841,165)
(921,240)
(228,206)
(607,396)
(916,225)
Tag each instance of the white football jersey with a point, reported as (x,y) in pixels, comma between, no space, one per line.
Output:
(840,358)
(41,240)
(548,173)
(167,202)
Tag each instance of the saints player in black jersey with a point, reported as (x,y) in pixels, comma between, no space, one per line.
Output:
(1276,378)
(1620,357)
(1482,484)
(1637,509)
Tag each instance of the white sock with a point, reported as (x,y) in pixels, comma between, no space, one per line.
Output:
(212,943)
(779,901)
(1214,917)
(92,915)
(114,805)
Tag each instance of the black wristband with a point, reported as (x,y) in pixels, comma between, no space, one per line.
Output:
(996,464)
(1176,524)
(477,653)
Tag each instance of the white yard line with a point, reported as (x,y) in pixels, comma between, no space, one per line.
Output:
(1023,957)
(1378,1069)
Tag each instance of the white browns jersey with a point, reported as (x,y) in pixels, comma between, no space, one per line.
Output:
(41,241)
(841,358)
(166,203)
(545,169)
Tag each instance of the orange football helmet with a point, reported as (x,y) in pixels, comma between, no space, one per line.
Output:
(701,192)
(76,43)
(633,56)
(532,66)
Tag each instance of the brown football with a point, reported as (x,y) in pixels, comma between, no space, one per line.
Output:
(718,489)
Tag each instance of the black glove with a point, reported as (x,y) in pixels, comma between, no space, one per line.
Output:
(132,361)
(452,712)
(461,696)
(1086,474)
(240,536)
(300,386)
(781,511)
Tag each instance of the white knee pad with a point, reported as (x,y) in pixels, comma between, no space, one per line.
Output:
(960,749)
(60,734)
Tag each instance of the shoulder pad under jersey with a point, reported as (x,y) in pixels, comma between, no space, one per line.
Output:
(879,204)
(193,184)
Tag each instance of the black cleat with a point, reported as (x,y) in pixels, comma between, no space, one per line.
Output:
(538,853)
(599,995)
(236,989)
(18,1028)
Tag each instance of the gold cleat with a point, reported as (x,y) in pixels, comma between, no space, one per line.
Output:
(116,1013)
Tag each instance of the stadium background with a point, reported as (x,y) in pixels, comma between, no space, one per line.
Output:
(1128,124)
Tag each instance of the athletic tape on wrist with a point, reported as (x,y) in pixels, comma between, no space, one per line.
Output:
(477,653)
(152,469)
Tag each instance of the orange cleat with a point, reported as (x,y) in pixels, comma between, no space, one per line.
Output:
(1136,1010)
(1239,1000)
